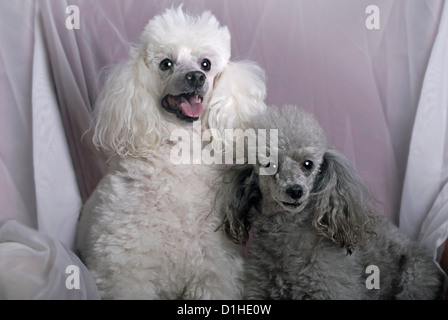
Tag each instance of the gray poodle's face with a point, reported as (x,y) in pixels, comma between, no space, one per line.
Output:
(290,187)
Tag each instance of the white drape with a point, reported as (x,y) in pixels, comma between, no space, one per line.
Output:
(34,265)
(17,191)
(57,194)
(424,204)
(364,86)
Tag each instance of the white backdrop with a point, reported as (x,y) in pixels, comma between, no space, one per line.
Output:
(380,95)
(424,206)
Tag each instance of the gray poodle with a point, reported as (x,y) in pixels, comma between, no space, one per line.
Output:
(317,236)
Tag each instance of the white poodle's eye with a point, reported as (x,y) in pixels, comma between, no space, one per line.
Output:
(308,165)
(206,65)
(166,64)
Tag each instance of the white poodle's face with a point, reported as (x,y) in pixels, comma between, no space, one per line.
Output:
(186,78)
(184,56)
(289,189)
(180,73)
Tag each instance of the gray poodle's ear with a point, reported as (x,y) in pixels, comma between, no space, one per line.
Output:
(237,198)
(341,202)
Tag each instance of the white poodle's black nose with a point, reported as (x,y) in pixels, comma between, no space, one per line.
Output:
(295,191)
(195,79)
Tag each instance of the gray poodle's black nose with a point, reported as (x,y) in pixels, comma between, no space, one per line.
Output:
(195,79)
(295,191)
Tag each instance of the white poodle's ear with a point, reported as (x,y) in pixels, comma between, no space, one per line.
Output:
(238,96)
(127,120)
(341,202)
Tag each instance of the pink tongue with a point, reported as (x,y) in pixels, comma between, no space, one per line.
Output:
(191,107)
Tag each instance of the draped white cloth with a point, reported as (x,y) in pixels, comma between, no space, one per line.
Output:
(36,266)
(424,204)
(380,95)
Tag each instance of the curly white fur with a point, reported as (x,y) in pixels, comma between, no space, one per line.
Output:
(147,231)
(316,233)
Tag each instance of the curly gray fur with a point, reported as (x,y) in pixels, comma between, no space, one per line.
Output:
(316,230)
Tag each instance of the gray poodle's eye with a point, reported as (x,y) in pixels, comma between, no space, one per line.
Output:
(206,65)
(308,165)
(268,165)
(166,64)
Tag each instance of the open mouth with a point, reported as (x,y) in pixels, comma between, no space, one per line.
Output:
(187,106)
(291,205)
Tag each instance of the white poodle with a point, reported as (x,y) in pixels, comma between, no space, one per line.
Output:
(147,231)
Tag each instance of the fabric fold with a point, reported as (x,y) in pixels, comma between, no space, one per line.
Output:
(423,210)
